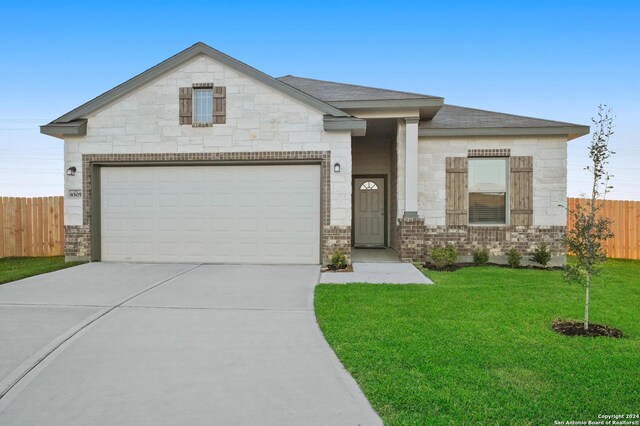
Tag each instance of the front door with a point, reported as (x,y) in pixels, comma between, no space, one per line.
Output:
(368,206)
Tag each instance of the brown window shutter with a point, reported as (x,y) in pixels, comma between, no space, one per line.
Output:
(186,105)
(521,191)
(457,203)
(219,105)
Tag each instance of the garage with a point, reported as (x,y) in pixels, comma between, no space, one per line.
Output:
(211,213)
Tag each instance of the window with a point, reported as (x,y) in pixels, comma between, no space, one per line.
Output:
(487,191)
(203,106)
(368,186)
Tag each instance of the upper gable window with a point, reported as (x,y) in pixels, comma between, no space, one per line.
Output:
(203,106)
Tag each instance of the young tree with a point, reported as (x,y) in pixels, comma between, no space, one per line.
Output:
(591,230)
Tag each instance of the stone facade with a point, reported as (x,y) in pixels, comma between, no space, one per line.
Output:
(258,119)
(262,124)
(549,173)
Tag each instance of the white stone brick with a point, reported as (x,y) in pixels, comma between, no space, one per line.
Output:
(550,180)
(129,105)
(258,119)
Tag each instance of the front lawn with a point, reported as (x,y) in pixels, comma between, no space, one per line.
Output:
(17,268)
(478,348)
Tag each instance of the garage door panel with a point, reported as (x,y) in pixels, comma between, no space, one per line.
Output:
(168,224)
(139,224)
(114,224)
(114,199)
(275,225)
(220,198)
(302,225)
(195,224)
(302,249)
(301,200)
(263,214)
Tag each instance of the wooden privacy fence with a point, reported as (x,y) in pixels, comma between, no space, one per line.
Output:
(31,226)
(626,226)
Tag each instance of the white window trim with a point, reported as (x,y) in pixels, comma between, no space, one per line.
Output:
(194,104)
(507,195)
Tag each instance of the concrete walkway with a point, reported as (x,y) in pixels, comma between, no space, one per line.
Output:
(377,273)
(171,344)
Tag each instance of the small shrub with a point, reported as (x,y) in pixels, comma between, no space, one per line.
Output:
(338,259)
(442,256)
(541,255)
(481,255)
(514,257)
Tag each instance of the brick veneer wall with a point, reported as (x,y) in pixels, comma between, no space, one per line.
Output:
(336,238)
(78,238)
(416,239)
(410,239)
(77,243)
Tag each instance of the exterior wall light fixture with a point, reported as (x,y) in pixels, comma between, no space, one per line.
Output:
(71,171)
(336,167)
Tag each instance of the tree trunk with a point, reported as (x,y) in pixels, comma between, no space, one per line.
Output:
(586,303)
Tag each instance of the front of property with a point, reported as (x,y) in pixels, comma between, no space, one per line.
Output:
(205,159)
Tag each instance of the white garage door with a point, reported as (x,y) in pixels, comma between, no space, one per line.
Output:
(235,214)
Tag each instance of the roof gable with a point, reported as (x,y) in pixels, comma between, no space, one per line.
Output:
(179,59)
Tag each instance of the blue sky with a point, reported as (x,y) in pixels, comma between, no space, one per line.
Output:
(548,59)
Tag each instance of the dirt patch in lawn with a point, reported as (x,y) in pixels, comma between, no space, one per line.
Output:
(576,328)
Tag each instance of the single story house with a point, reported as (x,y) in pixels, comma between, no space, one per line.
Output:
(203,158)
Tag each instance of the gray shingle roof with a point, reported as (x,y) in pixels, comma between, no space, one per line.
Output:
(329,91)
(455,117)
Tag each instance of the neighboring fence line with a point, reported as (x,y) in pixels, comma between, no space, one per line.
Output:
(31,226)
(626,226)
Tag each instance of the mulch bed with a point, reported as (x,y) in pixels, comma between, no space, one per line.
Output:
(576,328)
(331,268)
(450,268)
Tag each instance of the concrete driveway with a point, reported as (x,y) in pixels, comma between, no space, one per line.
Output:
(143,344)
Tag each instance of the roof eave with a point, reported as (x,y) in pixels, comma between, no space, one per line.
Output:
(60,130)
(357,126)
(388,103)
(571,132)
(427,107)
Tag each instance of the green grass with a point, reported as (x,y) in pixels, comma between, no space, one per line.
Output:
(478,348)
(17,268)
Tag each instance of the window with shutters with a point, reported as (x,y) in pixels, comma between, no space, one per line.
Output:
(488,187)
(203,106)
